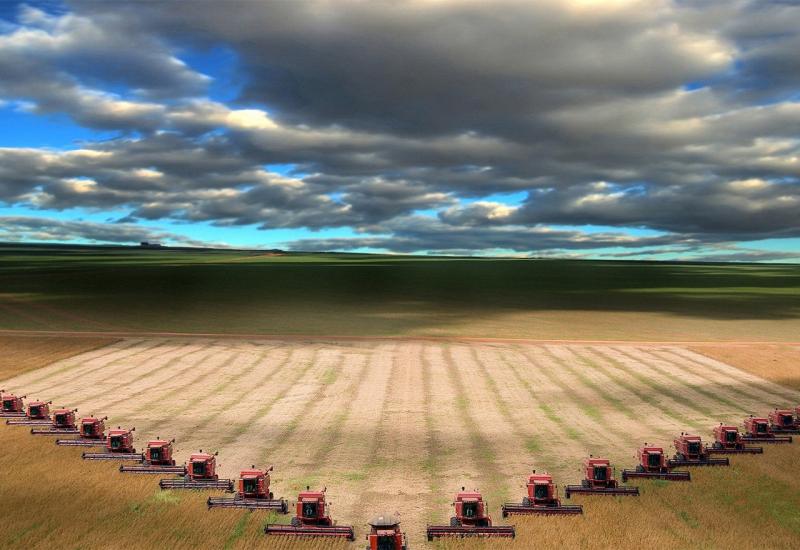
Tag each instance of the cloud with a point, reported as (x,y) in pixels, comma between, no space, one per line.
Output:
(406,120)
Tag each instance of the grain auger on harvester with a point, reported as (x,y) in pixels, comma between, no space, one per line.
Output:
(92,433)
(757,430)
(471,519)
(728,440)
(63,424)
(201,473)
(37,414)
(599,480)
(157,459)
(542,498)
(119,446)
(385,534)
(653,464)
(312,519)
(253,493)
(12,405)
(783,421)
(689,451)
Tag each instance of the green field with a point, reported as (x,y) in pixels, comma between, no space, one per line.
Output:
(117,288)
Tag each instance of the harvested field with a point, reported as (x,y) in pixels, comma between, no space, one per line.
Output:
(400,425)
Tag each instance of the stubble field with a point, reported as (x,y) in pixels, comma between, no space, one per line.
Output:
(400,425)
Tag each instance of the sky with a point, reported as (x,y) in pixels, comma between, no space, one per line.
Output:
(618,129)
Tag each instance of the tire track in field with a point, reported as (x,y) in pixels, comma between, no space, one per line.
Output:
(86,367)
(160,381)
(398,477)
(702,364)
(86,389)
(638,414)
(691,381)
(688,384)
(635,386)
(174,414)
(584,416)
(350,461)
(204,422)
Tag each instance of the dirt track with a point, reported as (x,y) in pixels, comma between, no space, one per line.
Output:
(390,425)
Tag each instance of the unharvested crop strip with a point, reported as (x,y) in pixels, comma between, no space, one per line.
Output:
(481,448)
(643,396)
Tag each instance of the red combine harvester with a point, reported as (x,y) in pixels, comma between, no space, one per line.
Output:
(757,430)
(119,446)
(312,519)
(797,416)
(12,405)
(782,421)
(599,480)
(92,434)
(157,460)
(542,499)
(385,534)
(200,474)
(653,464)
(253,493)
(63,424)
(689,451)
(38,414)
(728,440)
(471,519)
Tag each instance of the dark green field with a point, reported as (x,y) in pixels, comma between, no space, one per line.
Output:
(130,289)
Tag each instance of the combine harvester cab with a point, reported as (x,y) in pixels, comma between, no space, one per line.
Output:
(12,405)
(63,424)
(385,534)
(253,493)
(92,434)
(599,480)
(757,430)
(312,519)
(542,498)
(783,421)
(201,473)
(119,446)
(38,414)
(653,465)
(471,519)
(157,460)
(728,440)
(689,451)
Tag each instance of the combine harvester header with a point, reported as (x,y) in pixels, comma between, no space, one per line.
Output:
(12,406)
(63,424)
(542,499)
(783,421)
(253,493)
(157,460)
(92,434)
(689,451)
(201,474)
(313,519)
(38,414)
(653,464)
(119,446)
(728,440)
(471,519)
(757,430)
(599,480)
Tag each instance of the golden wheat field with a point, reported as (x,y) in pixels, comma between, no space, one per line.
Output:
(399,426)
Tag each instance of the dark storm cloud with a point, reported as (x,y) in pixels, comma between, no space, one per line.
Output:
(673,116)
